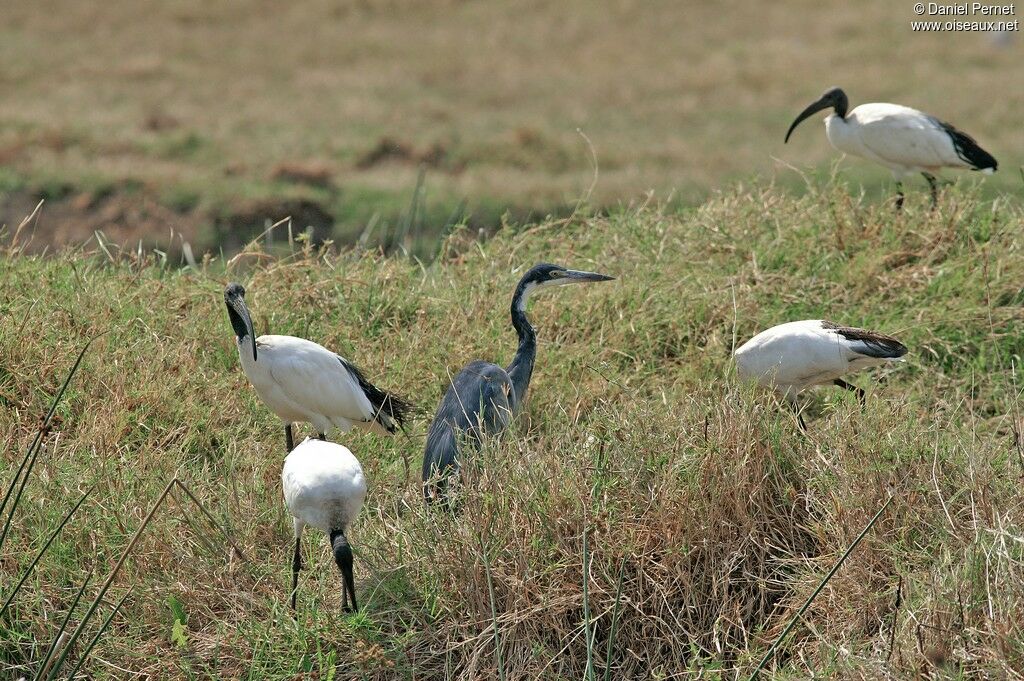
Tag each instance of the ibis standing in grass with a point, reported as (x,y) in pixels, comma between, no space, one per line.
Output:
(302,381)
(324,487)
(902,139)
(483,397)
(790,358)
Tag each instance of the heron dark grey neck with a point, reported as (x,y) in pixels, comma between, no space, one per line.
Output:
(521,368)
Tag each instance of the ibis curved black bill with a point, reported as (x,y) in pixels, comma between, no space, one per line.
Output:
(241,322)
(820,105)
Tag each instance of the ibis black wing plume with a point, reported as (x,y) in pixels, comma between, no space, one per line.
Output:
(872,343)
(968,149)
(390,411)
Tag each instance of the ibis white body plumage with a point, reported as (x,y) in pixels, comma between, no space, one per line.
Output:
(902,139)
(324,486)
(302,381)
(792,357)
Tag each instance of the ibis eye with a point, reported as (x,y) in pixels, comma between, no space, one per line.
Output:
(556,274)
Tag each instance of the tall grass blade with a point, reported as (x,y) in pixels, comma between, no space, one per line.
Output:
(113,573)
(409,219)
(615,621)
(494,612)
(39,556)
(29,460)
(589,635)
(96,638)
(58,638)
(209,516)
(814,594)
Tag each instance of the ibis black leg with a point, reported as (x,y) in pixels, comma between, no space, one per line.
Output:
(288,439)
(899,196)
(296,566)
(846,386)
(322,436)
(934,185)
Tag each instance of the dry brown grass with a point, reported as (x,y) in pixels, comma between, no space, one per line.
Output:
(721,515)
(199,102)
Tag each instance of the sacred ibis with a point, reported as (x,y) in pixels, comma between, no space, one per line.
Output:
(483,397)
(324,487)
(302,381)
(902,139)
(789,358)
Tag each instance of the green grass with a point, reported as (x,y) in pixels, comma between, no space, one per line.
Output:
(708,518)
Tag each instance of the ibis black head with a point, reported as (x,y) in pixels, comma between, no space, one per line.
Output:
(343,558)
(238,313)
(834,98)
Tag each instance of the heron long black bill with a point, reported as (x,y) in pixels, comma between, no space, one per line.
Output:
(575,276)
(820,105)
(241,322)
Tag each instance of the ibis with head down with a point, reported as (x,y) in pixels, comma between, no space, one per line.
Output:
(324,486)
(902,139)
(483,397)
(790,358)
(302,381)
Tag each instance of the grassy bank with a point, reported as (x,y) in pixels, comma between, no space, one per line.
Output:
(637,449)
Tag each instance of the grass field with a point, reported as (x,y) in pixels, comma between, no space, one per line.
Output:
(638,455)
(203,121)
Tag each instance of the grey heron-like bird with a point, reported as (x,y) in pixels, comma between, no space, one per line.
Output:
(902,139)
(792,357)
(302,381)
(483,397)
(324,486)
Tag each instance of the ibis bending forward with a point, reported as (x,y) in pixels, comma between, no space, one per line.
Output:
(324,487)
(483,397)
(303,381)
(902,139)
(790,358)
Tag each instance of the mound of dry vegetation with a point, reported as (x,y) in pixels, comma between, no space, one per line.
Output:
(647,517)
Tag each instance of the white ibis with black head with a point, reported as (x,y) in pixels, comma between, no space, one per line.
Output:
(902,139)
(790,358)
(483,397)
(302,381)
(324,486)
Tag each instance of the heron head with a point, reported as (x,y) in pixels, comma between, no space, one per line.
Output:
(238,313)
(834,98)
(546,275)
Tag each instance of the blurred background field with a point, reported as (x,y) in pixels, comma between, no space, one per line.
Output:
(206,120)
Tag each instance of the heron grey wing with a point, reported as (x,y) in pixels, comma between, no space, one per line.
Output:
(496,398)
(476,403)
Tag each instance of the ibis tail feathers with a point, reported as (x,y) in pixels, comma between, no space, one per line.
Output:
(870,343)
(391,412)
(969,151)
